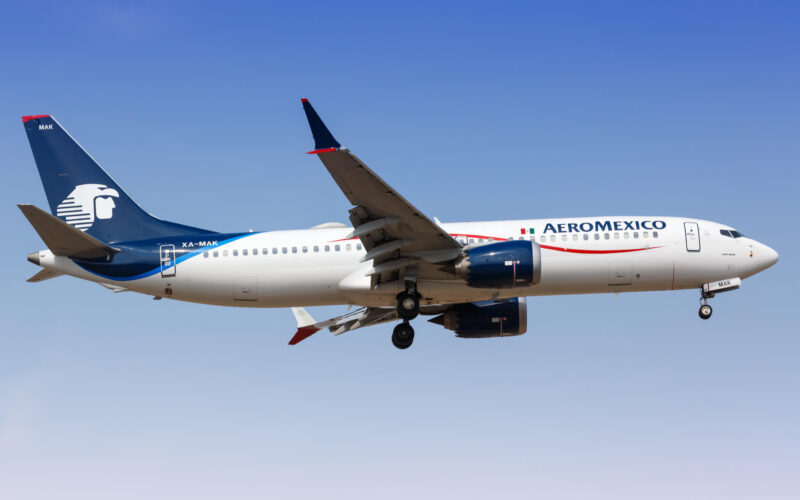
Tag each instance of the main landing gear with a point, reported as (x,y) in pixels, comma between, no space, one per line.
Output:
(403,335)
(407,309)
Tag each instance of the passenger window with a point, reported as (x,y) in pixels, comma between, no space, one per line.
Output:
(205,255)
(305,249)
(255,251)
(552,237)
(358,246)
(337,247)
(294,249)
(224,253)
(480,240)
(626,235)
(655,234)
(348,247)
(235,253)
(563,237)
(644,234)
(264,251)
(316,248)
(327,248)
(216,253)
(244,252)
(597,236)
(274,250)
(585,236)
(543,238)
(635,234)
(607,235)
(471,241)
(284,250)
(616,236)
(575,237)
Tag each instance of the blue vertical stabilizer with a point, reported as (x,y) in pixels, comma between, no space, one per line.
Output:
(83,195)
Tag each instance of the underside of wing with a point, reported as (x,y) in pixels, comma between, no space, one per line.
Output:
(365,316)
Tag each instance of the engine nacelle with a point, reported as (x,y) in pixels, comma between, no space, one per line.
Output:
(506,264)
(486,319)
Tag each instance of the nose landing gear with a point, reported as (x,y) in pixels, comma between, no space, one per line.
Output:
(705,311)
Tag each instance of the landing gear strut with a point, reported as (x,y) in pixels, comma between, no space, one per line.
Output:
(403,335)
(407,309)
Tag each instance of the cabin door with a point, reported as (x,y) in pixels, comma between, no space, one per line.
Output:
(167,257)
(692,231)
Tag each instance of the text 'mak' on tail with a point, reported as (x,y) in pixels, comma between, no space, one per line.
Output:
(83,195)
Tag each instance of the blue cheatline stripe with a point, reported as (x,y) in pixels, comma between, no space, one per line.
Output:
(184,257)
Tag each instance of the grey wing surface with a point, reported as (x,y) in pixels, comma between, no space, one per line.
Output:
(399,238)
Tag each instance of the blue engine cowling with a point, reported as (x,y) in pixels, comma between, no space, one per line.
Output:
(486,319)
(506,264)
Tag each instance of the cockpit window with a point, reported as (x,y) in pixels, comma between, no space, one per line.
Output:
(730,233)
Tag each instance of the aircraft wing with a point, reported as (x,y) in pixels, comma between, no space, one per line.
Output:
(365,316)
(396,235)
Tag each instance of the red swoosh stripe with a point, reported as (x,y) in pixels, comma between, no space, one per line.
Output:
(577,250)
(546,247)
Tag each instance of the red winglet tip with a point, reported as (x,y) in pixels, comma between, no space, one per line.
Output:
(325,150)
(303,333)
(303,100)
(33,117)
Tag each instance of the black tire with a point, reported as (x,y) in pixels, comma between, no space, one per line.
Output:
(403,336)
(407,305)
(705,311)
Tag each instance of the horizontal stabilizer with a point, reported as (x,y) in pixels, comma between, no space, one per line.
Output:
(62,239)
(44,274)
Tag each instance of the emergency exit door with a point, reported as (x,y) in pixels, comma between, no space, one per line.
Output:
(692,231)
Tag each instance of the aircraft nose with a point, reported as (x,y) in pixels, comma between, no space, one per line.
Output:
(767,257)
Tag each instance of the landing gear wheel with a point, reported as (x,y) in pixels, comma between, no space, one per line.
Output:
(705,311)
(403,335)
(407,305)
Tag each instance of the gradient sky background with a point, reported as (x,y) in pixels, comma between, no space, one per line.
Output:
(473,111)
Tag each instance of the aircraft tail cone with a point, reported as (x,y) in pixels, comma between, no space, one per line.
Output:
(33,258)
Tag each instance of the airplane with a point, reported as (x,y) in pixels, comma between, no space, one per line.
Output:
(393,261)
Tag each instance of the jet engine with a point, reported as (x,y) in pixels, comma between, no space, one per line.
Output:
(486,319)
(506,264)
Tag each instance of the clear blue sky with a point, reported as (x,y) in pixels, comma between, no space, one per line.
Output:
(473,111)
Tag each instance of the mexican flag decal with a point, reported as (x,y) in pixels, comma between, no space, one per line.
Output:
(526,231)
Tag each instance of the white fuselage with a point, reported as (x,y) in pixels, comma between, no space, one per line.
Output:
(320,267)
